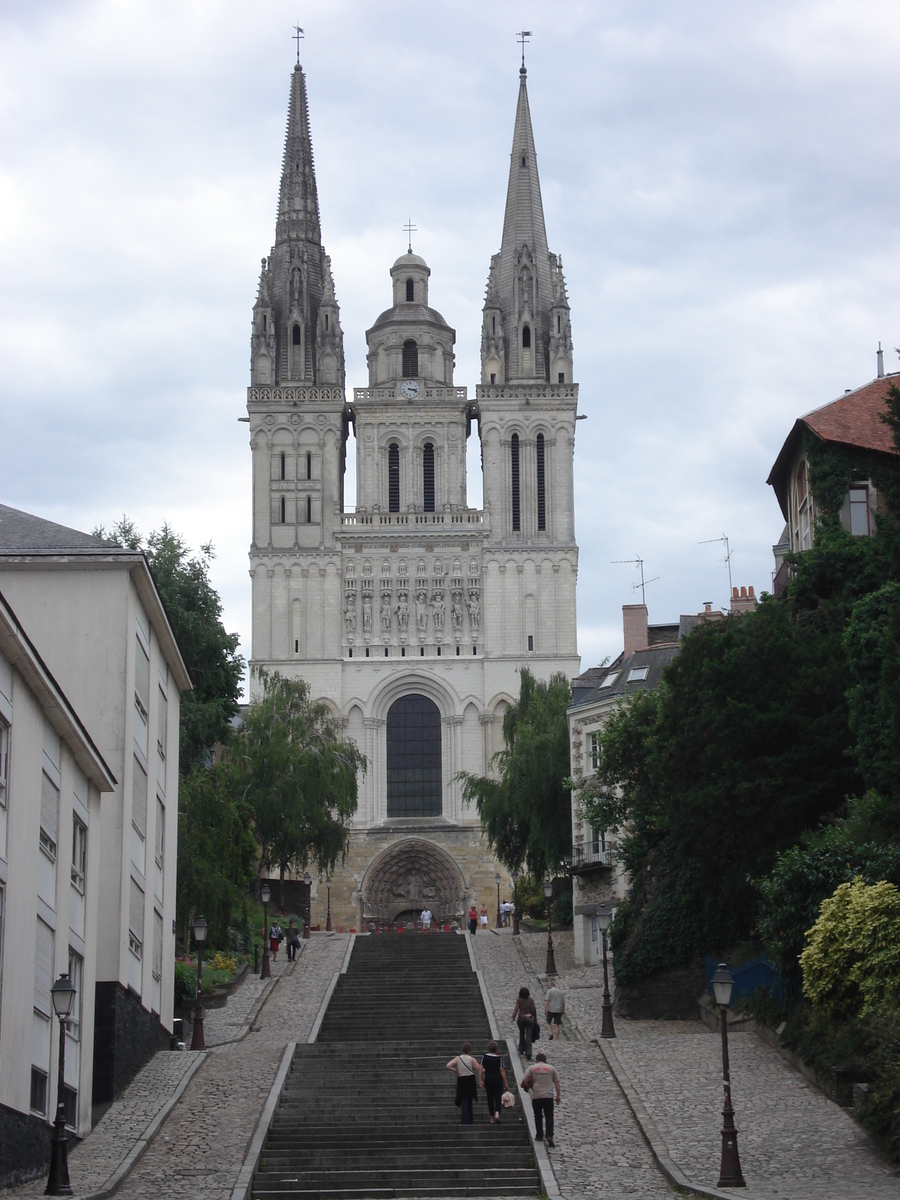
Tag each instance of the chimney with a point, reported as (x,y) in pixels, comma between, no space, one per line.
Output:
(743,601)
(879,358)
(708,614)
(634,627)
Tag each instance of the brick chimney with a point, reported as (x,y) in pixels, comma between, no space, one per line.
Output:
(743,601)
(634,627)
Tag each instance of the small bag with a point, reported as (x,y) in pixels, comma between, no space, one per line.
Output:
(527,1084)
(508,1100)
(536,1031)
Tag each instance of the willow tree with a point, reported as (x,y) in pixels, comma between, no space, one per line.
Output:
(526,808)
(298,776)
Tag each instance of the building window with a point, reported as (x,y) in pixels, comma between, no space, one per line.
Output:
(49,817)
(136,921)
(410,290)
(428,476)
(595,750)
(295,335)
(562,377)
(282,510)
(160,849)
(76,975)
(309,510)
(610,679)
(393,477)
(410,359)
(636,674)
(38,1090)
(414,758)
(541,491)
(859,511)
(4,761)
(526,337)
(282,465)
(308,465)
(79,855)
(531,641)
(514,474)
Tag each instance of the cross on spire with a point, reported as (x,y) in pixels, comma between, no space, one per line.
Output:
(296,36)
(409,229)
(523,37)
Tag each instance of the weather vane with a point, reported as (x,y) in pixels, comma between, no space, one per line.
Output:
(409,229)
(522,38)
(297,35)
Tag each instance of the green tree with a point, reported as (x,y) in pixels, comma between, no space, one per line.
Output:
(297,775)
(526,811)
(872,644)
(195,613)
(741,749)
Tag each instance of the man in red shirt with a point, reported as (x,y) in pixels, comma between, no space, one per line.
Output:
(540,1080)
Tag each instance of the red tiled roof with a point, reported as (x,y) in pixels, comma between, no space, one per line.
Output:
(854,419)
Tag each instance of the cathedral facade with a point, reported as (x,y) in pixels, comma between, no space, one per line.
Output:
(411,615)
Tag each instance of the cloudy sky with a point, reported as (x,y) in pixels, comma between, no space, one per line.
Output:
(720,178)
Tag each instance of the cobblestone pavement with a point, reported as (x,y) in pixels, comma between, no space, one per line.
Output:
(600,1151)
(794,1143)
(201,1146)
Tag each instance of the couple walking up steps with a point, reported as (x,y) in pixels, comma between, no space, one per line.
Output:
(489,1073)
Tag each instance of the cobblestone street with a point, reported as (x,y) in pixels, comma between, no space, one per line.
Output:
(794,1144)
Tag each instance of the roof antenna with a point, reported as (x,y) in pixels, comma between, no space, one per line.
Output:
(297,35)
(523,37)
(638,562)
(409,229)
(724,539)
(879,358)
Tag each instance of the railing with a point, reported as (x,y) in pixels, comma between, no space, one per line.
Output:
(593,854)
(429,392)
(747,978)
(466,517)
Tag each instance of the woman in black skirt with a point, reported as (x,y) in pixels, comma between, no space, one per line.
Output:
(468,1074)
(494,1080)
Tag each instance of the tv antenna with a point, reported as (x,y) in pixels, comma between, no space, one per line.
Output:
(639,563)
(724,540)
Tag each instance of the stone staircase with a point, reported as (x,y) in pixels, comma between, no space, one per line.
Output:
(368,1112)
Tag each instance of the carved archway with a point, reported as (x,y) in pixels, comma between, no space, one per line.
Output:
(409,875)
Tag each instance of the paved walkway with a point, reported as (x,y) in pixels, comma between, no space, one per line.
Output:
(794,1144)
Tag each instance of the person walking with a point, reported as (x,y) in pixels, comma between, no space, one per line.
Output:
(483,917)
(469,1075)
(425,918)
(293,942)
(525,1015)
(540,1080)
(554,1007)
(494,1080)
(275,936)
(473,919)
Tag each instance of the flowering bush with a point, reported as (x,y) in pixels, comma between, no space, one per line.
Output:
(223,962)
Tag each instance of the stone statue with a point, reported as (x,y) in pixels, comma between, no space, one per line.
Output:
(386,614)
(422,613)
(350,614)
(367,613)
(474,608)
(402,611)
(456,613)
(437,603)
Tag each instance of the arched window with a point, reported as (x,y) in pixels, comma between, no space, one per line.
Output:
(526,337)
(410,359)
(295,335)
(414,758)
(393,477)
(264,322)
(326,322)
(281,510)
(308,464)
(514,475)
(428,477)
(541,490)
(410,290)
(282,465)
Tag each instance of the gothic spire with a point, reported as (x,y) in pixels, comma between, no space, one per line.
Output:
(298,200)
(525,334)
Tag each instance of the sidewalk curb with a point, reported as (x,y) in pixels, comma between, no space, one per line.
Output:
(137,1151)
(245,1176)
(652,1136)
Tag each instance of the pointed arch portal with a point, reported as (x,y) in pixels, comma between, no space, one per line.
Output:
(409,875)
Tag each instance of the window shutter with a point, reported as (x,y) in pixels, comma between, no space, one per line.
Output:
(139,799)
(142,673)
(136,914)
(50,808)
(157,944)
(43,968)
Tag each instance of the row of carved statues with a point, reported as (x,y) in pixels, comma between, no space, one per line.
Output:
(427,609)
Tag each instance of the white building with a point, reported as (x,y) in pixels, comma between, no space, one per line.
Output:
(412,615)
(93,612)
(51,779)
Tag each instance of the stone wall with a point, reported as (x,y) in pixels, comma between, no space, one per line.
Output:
(126,1036)
(24,1146)
(670,995)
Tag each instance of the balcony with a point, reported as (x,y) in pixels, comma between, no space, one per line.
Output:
(382,520)
(592,856)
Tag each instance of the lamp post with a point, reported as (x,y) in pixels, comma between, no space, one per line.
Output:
(730,1169)
(265,894)
(498,879)
(63,996)
(607,1029)
(198,1041)
(328,918)
(307,879)
(551,961)
(515,879)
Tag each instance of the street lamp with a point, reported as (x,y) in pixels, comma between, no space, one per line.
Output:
(498,879)
(515,879)
(265,894)
(63,996)
(307,879)
(730,1169)
(607,1029)
(198,1042)
(551,961)
(328,918)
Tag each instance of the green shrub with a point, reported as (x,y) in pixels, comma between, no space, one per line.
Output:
(562,909)
(185,980)
(852,960)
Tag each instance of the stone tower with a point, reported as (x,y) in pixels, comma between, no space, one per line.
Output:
(412,615)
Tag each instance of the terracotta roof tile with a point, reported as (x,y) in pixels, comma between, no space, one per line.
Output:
(854,419)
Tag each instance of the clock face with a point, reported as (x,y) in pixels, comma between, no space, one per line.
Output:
(409,389)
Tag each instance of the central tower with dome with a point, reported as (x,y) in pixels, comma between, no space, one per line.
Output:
(412,615)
